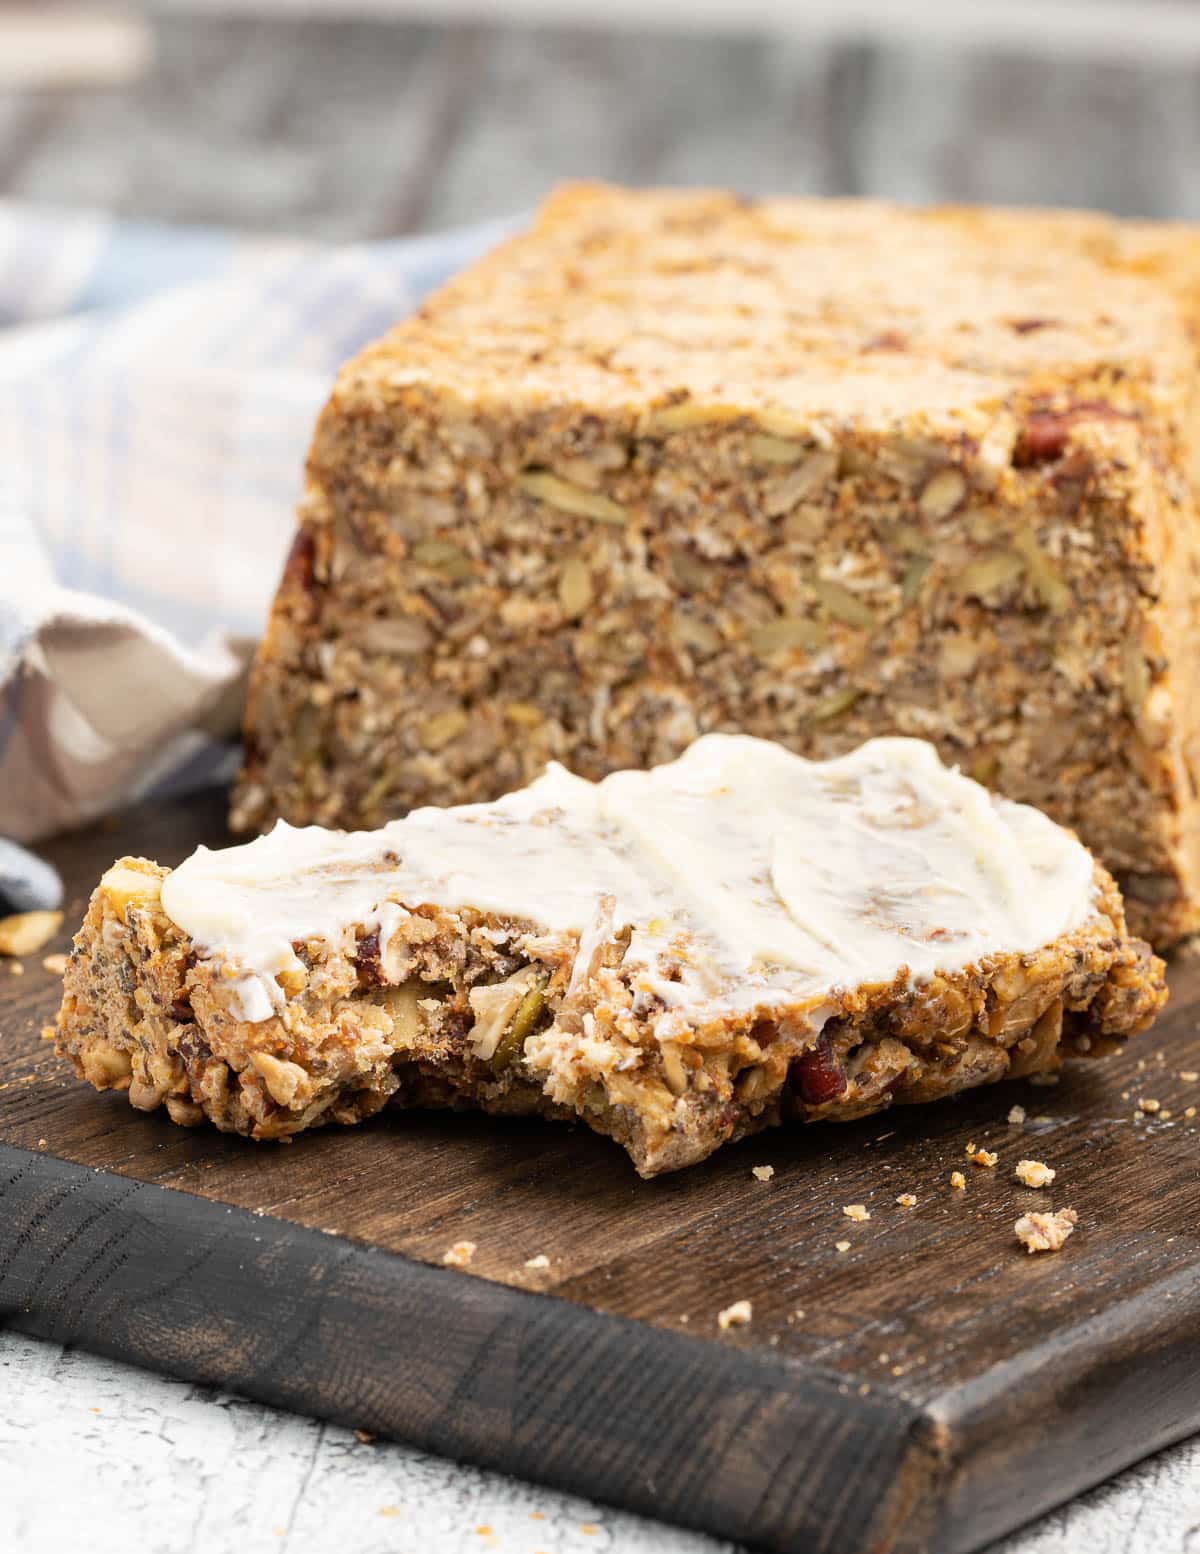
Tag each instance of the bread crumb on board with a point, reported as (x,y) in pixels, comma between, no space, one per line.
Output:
(460,1254)
(540,1261)
(857,1211)
(1034,1173)
(958,1181)
(26,933)
(56,965)
(1045,1232)
(1016,1116)
(762,1173)
(907,1200)
(737,1315)
(984,1158)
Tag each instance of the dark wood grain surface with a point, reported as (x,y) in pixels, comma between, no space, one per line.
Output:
(931,1386)
(360,128)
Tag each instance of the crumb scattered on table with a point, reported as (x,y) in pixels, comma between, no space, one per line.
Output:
(737,1315)
(56,965)
(842,1246)
(762,1173)
(857,1211)
(26,933)
(1045,1232)
(958,1181)
(984,1158)
(907,1200)
(1147,1103)
(540,1261)
(17,969)
(1189,1075)
(1016,1116)
(1034,1173)
(460,1254)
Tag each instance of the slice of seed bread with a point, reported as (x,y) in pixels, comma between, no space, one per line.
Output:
(677,957)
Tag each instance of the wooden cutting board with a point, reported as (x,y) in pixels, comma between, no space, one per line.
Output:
(930,1386)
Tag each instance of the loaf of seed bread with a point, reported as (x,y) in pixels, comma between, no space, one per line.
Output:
(670,463)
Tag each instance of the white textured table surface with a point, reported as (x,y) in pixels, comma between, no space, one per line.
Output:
(104,1457)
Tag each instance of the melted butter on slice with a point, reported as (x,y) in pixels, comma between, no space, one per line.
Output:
(745,875)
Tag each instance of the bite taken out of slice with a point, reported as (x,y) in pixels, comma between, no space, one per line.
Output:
(677,957)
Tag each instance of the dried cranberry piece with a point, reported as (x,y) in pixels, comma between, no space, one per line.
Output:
(889,340)
(1044,435)
(367,959)
(181,1009)
(819,1075)
(298,569)
(1044,438)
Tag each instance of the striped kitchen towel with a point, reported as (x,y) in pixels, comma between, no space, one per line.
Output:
(158,388)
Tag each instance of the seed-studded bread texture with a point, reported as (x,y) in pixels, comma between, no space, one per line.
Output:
(676,958)
(670,463)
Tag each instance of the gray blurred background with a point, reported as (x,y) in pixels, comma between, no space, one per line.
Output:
(339,119)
